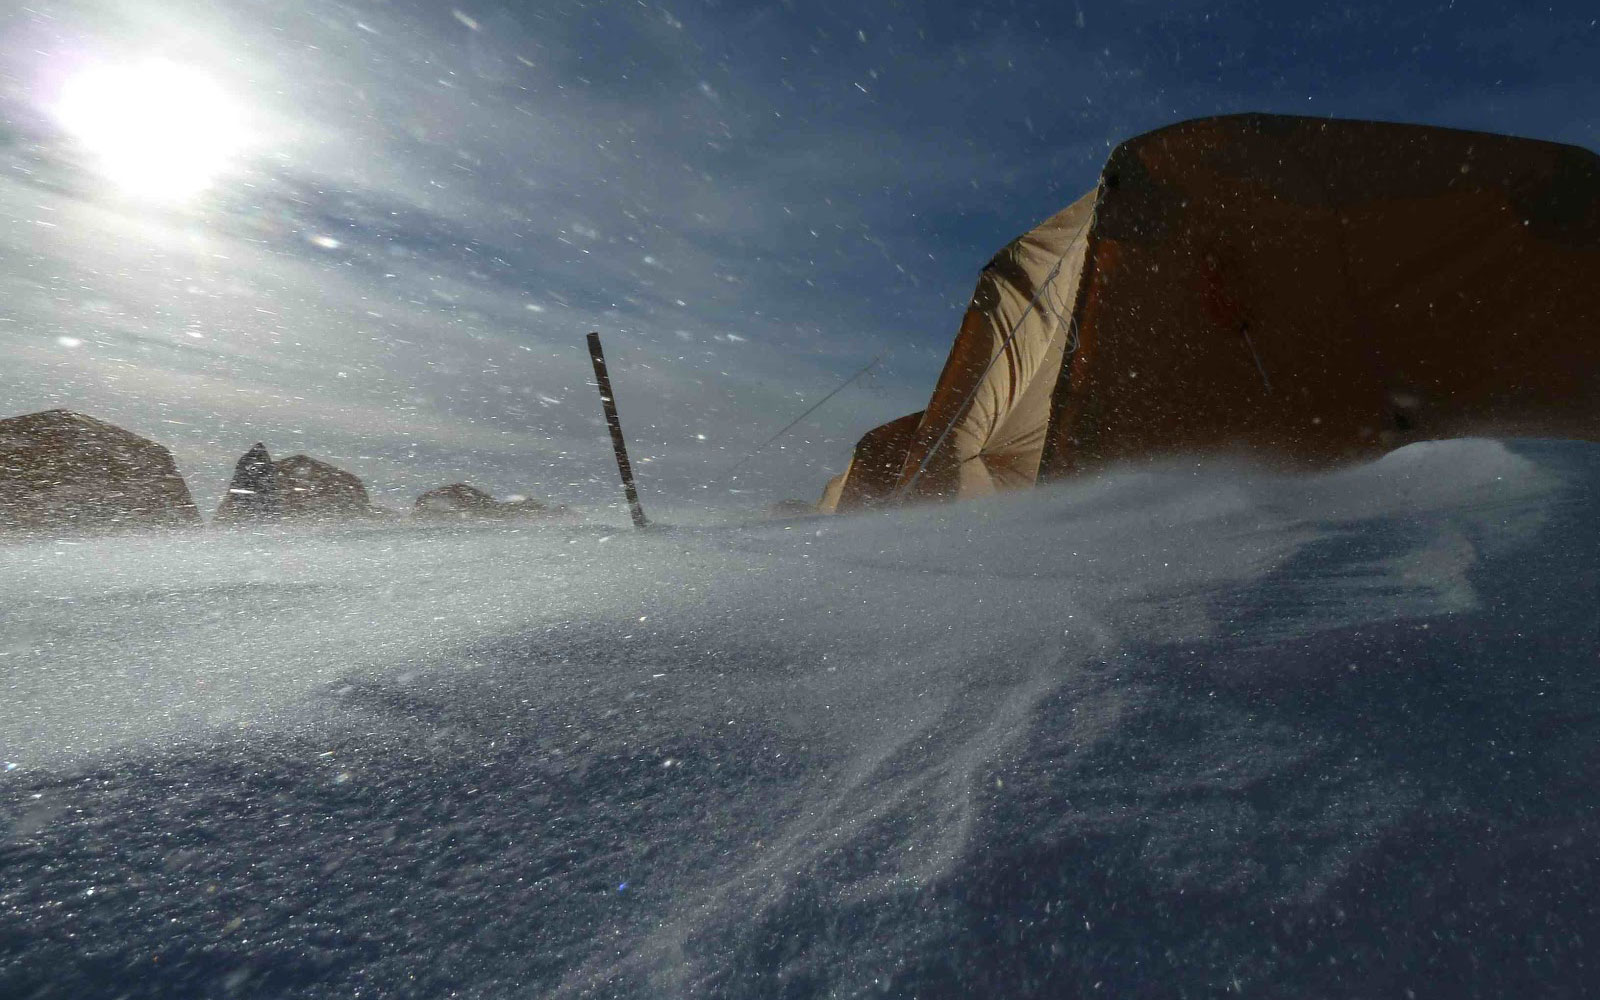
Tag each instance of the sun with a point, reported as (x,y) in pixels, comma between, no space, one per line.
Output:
(155,129)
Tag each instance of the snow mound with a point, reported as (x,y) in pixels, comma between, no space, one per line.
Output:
(1184,729)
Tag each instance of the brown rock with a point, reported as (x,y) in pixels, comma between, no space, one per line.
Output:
(309,488)
(529,507)
(459,500)
(253,493)
(456,500)
(63,470)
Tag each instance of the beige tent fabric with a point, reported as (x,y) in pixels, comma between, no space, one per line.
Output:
(1301,290)
(875,466)
(829,502)
(1307,291)
(992,413)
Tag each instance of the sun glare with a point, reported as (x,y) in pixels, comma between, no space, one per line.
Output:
(155,129)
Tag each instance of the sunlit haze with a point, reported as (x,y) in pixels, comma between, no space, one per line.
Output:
(154,128)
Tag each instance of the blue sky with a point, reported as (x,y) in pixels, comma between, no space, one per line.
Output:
(431,203)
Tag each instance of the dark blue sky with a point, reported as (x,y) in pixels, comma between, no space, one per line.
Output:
(433,202)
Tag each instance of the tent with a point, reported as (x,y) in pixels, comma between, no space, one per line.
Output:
(829,502)
(984,429)
(874,467)
(61,470)
(1300,290)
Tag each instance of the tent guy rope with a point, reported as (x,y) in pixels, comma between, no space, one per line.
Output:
(796,421)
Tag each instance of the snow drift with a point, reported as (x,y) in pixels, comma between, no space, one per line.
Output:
(1177,730)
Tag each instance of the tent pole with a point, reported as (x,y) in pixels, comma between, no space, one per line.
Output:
(609,401)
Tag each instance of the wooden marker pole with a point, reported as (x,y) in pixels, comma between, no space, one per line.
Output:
(610,403)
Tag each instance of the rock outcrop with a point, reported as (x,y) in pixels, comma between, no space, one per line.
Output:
(253,494)
(455,500)
(466,502)
(311,488)
(61,470)
(528,507)
(297,487)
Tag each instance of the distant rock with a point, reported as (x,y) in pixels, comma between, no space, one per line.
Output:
(311,488)
(528,507)
(253,494)
(62,470)
(455,500)
(466,502)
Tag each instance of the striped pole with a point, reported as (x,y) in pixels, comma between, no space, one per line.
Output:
(609,401)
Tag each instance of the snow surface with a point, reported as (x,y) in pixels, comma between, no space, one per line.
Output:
(1179,730)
